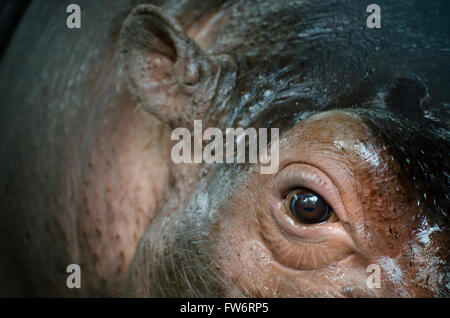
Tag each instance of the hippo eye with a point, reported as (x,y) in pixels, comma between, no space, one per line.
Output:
(308,207)
(308,228)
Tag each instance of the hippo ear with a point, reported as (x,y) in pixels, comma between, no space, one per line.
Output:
(168,73)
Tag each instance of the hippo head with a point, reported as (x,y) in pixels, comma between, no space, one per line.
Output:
(362,183)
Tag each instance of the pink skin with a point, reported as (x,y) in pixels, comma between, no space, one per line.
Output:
(124,180)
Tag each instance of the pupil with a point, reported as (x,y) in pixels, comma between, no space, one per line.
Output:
(309,208)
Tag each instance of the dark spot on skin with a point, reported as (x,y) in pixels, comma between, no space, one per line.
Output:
(405,98)
(98,232)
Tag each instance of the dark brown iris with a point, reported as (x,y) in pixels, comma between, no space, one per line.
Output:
(308,207)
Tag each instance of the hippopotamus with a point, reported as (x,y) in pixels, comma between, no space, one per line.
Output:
(87,177)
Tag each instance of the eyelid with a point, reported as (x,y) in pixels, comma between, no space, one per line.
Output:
(301,175)
(305,246)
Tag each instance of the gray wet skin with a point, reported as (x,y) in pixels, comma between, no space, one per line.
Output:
(86,175)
